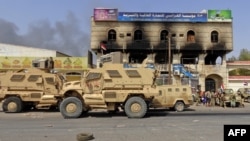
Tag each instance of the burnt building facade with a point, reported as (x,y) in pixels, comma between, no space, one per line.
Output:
(192,46)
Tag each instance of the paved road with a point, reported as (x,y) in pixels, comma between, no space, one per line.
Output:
(197,123)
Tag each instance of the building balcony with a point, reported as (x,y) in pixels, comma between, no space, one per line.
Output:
(175,46)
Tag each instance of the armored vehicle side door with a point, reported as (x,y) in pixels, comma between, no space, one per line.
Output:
(93,95)
(245,93)
(50,85)
(94,82)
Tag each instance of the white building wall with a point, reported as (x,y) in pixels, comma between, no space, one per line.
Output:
(236,84)
(20,51)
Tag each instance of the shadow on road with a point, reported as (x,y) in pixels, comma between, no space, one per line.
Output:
(167,112)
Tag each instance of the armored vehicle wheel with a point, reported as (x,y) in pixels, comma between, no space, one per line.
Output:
(12,105)
(135,107)
(179,106)
(71,107)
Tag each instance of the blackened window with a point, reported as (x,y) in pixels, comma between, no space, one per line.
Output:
(190,36)
(138,35)
(164,35)
(214,37)
(112,35)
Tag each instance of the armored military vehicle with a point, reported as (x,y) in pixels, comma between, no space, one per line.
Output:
(112,87)
(29,88)
(245,93)
(231,99)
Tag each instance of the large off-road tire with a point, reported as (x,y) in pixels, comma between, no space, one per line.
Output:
(84,136)
(179,106)
(12,105)
(135,107)
(71,107)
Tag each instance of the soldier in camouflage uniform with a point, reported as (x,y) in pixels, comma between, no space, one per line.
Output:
(213,98)
(222,101)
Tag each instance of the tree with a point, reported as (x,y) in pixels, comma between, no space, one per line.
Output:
(233,58)
(244,55)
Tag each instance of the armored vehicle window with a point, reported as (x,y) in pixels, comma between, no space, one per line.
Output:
(158,82)
(169,90)
(92,76)
(17,77)
(228,91)
(49,80)
(133,73)
(161,80)
(113,73)
(33,77)
(177,89)
(62,77)
(73,73)
(184,89)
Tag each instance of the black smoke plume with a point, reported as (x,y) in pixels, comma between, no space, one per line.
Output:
(63,36)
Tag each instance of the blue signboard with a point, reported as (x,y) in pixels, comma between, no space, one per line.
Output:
(162,17)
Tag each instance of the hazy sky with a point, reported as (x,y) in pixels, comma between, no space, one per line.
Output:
(64,25)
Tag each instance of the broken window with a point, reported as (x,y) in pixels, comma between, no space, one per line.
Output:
(112,35)
(190,36)
(138,35)
(163,36)
(214,37)
(161,58)
(137,57)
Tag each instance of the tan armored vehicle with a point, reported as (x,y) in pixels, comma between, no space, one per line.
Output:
(29,88)
(114,87)
(231,99)
(245,93)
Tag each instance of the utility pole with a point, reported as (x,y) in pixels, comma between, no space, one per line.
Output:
(169,59)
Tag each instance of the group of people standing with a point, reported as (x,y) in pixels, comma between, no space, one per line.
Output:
(211,98)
